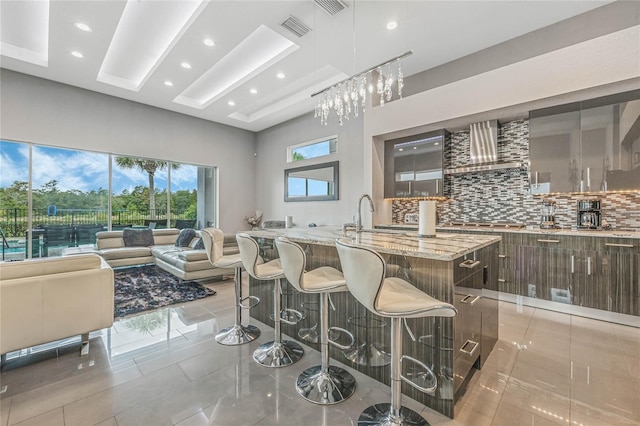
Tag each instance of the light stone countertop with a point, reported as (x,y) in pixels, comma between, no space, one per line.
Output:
(574,233)
(445,246)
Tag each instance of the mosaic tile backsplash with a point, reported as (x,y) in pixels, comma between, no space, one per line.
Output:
(503,195)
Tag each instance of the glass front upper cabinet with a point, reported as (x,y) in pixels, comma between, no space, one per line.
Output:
(588,146)
(414,165)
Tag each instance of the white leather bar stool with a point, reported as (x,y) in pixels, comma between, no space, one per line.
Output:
(277,353)
(321,384)
(237,334)
(394,298)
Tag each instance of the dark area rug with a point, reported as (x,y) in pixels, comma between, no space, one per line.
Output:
(143,288)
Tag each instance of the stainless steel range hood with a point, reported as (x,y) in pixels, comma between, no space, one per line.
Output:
(483,150)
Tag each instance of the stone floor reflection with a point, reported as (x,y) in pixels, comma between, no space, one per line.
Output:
(165,368)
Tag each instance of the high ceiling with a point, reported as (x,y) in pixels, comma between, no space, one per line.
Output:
(133,49)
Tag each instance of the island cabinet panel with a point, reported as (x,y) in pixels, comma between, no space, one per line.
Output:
(489,301)
(437,340)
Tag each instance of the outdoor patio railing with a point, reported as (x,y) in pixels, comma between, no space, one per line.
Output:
(14,221)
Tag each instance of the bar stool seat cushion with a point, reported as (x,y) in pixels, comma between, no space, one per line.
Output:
(229,261)
(270,270)
(398,298)
(324,278)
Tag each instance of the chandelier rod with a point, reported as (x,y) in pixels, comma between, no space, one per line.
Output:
(397,58)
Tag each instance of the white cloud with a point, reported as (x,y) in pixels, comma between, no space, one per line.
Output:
(14,164)
(77,170)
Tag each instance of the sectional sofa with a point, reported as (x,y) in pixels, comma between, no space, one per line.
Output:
(187,262)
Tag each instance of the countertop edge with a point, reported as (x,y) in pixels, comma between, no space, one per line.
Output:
(444,247)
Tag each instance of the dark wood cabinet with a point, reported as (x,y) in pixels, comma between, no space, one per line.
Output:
(599,272)
(581,270)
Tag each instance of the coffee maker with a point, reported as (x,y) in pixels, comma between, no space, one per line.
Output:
(548,214)
(589,214)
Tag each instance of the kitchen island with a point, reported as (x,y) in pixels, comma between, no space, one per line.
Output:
(453,268)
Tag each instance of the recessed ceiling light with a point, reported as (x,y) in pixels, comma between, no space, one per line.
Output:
(253,91)
(145,52)
(401,149)
(77,54)
(82,26)
(392,25)
(256,53)
(437,143)
(415,147)
(231,103)
(186,65)
(280,75)
(209,42)
(168,83)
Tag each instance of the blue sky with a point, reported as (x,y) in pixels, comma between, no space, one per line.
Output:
(81,170)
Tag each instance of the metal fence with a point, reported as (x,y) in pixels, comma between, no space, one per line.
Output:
(14,222)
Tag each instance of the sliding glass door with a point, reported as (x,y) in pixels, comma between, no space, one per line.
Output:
(70,195)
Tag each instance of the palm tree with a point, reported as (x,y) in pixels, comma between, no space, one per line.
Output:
(150,167)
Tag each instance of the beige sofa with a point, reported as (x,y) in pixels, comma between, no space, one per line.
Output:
(185,263)
(48,299)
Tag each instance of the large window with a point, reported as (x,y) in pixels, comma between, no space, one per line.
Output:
(14,198)
(65,200)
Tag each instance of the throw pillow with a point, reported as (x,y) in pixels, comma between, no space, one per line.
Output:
(199,245)
(137,237)
(185,237)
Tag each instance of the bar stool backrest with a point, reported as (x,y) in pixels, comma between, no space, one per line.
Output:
(364,272)
(213,239)
(293,261)
(249,253)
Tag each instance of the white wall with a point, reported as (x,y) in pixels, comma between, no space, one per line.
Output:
(272,161)
(44,112)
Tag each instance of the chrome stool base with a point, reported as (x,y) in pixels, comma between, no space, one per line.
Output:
(368,355)
(237,334)
(325,387)
(278,354)
(379,415)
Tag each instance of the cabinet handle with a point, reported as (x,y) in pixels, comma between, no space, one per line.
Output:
(437,186)
(469,343)
(589,178)
(469,296)
(618,245)
(537,185)
(548,241)
(573,268)
(470,264)
(502,256)
(588,266)
(502,280)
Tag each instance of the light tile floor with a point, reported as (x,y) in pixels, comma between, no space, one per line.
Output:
(164,368)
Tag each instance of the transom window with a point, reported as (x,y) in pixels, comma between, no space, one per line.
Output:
(314,149)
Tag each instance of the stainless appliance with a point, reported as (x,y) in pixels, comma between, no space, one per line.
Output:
(548,214)
(589,214)
(483,150)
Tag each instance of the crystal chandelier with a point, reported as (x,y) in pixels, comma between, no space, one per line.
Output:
(349,96)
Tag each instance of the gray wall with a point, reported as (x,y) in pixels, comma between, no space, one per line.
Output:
(272,161)
(44,112)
